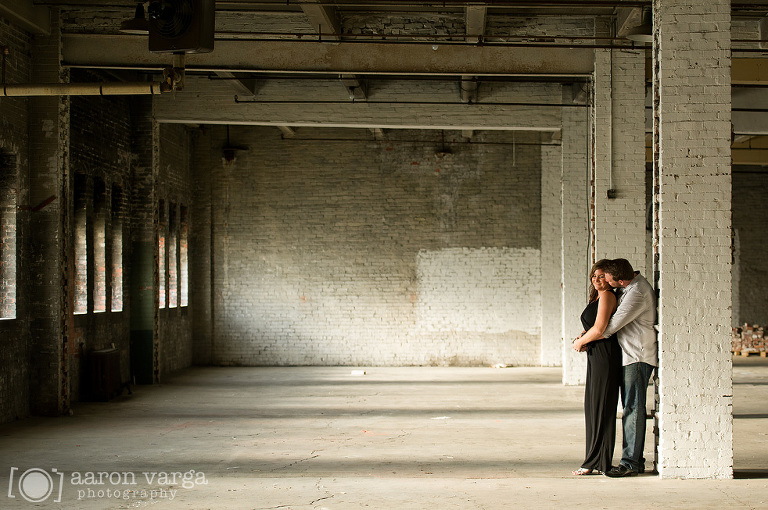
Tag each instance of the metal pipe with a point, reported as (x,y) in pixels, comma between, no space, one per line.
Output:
(82,89)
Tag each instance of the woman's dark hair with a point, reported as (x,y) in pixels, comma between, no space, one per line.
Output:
(603,265)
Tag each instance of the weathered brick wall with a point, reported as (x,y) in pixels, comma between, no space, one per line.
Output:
(576,249)
(100,153)
(750,221)
(359,252)
(173,187)
(619,155)
(14,154)
(551,256)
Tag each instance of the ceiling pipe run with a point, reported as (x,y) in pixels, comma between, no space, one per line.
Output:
(83,89)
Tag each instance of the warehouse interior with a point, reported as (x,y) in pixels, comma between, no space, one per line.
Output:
(267,185)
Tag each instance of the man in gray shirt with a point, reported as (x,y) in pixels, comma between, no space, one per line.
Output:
(634,322)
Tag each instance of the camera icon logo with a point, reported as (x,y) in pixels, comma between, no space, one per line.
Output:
(36,485)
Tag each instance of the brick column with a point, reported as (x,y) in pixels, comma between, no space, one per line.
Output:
(619,156)
(144,283)
(50,200)
(551,256)
(692,189)
(200,252)
(575,247)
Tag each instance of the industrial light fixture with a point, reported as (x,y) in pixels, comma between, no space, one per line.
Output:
(642,33)
(138,25)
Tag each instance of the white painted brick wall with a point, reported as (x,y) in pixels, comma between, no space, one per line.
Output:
(575,176)
(376,253)
(696,430)
(619,145)
(551,256)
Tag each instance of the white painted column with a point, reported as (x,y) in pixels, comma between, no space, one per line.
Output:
(575,239)
(619,155)
(693,193)
(551,256)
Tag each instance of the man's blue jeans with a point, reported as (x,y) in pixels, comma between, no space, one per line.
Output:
(633,390)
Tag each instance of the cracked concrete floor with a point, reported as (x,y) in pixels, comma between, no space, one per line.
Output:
(325,438)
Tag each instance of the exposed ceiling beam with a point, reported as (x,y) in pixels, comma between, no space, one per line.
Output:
(475,22)
(219,108)
(749,71)
(627,18)
(243,87)
(32,18)
(287,131)
(323,19)
(118,51)
(468,89)
(355,87)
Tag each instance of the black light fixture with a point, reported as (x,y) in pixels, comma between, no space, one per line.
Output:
(138,25)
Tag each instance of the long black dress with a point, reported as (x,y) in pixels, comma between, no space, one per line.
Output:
(601,395)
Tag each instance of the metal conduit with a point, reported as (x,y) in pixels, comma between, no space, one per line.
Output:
(82,89)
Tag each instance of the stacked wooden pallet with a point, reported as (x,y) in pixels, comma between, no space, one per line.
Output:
(748,339)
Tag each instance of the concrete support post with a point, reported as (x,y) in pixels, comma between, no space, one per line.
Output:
(144,297)
(201,252)
(575,239)
(551,256)
(50,203)
(618,183)
(692,188)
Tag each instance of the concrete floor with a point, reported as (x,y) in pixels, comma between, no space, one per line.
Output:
(324,438)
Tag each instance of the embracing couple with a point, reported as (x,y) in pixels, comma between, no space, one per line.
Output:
(620,342)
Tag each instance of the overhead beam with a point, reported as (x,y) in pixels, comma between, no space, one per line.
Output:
(124,51)
(475,22)
(287,131)
(244,88)
(749,71)
(34,19)
(627,18)
(468,89)
(323,19)
(219,107)
(355,87)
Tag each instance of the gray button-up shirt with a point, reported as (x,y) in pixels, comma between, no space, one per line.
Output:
(633,320)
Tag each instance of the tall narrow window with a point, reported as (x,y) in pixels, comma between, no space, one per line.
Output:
(99,247)
(117,249)
(184,258)
(161,255)
(8,201)
(173,273)
(81,246)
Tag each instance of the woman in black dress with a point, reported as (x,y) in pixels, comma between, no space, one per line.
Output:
(603,373)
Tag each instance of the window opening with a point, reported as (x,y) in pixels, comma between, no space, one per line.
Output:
(81,246)
(99,247)
(173,275)
(8,204)
(161,256)
(117,249)
(184,257)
